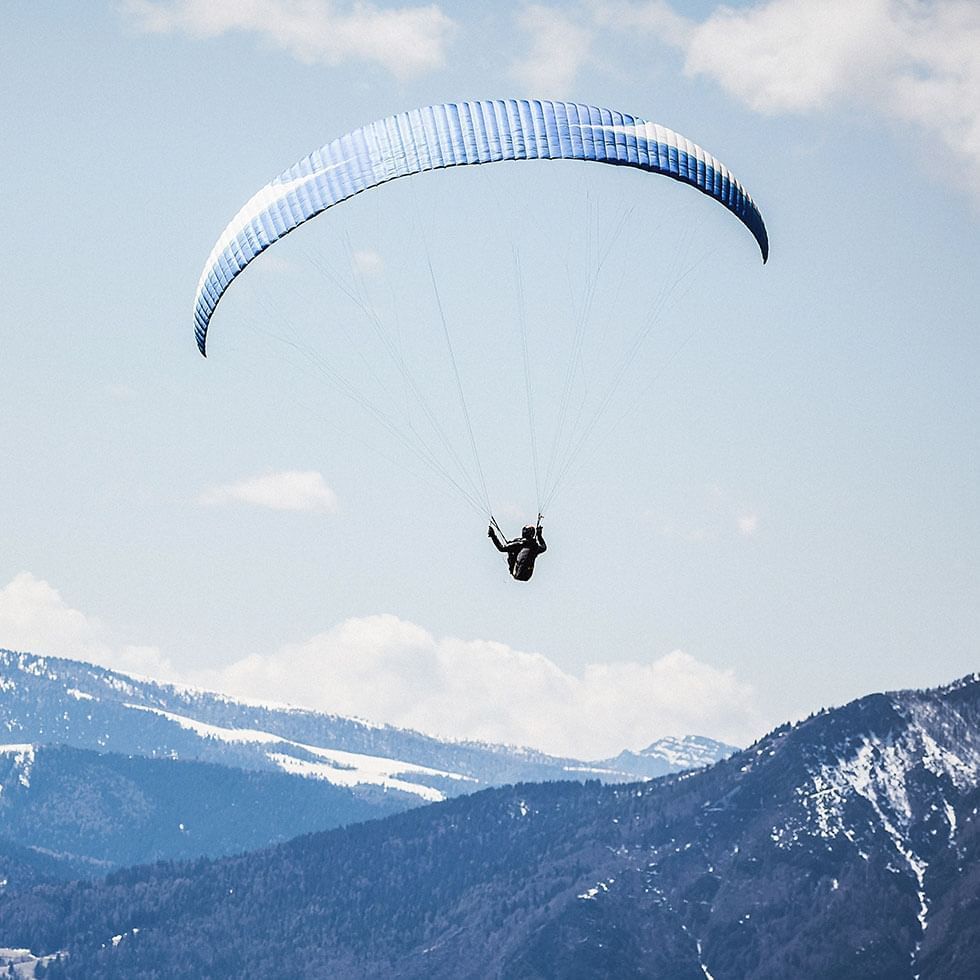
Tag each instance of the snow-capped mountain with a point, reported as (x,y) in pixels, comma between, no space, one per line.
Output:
(45,700)
(672,754)
(99,769)
(844,847)
(689,752)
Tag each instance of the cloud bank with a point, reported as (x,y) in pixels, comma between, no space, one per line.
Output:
(294,490)
(911,61)
(406,40)
(34,618)
(389,670)
(914,62)
(386,669)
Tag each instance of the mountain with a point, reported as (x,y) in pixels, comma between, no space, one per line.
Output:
(671,754)
(102,770)
(46,700)
(844,846)
(88,812)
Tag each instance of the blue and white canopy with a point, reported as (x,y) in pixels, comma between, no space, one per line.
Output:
(458,134)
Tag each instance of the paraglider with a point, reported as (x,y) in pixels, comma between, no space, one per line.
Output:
(460,135)
(521,552)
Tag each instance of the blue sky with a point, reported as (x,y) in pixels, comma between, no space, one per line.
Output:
(779,509)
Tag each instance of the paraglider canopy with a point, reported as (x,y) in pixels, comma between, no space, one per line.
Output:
(458,134)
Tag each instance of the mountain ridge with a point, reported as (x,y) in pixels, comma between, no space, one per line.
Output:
(91,812)
(842,846)
(171,758)
(208,726)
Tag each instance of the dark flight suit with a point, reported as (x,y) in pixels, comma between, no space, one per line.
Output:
(521,552)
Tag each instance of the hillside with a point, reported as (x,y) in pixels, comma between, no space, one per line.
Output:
(101,770)
(843,846)
(91,812)
(46,700)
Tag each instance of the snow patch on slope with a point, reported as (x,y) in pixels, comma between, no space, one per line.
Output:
(23,760)
(600,886)
(333,765)
(880,770)
(886,771)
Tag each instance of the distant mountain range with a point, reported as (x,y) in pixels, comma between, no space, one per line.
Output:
(137,787)
(844,846)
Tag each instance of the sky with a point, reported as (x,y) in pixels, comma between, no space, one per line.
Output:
(774,510)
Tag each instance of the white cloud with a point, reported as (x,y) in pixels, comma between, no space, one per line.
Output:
(35,618)
(386,669)
(367,262)
(559,47)
(788,55)
(406,40)
(389,670)
(294,490)
(748,524)
(912,61)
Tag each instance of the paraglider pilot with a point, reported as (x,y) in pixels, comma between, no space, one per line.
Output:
(522,551)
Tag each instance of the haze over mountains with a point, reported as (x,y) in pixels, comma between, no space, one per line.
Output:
(99,769)
(844,846)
